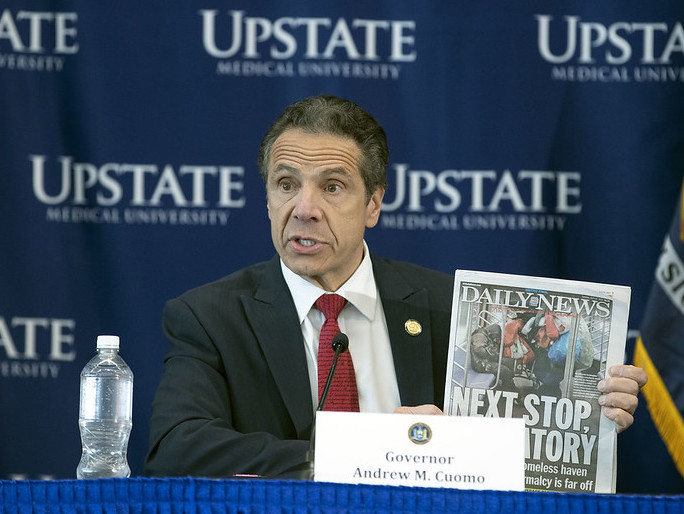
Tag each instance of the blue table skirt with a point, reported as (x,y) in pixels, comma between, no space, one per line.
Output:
(181,495)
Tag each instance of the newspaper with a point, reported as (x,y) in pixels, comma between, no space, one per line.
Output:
(570,446)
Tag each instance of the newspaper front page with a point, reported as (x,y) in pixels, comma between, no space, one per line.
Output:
(536,348)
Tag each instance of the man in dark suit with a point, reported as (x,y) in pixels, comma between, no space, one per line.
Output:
(240,382)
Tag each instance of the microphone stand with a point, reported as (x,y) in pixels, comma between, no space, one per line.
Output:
(305,470)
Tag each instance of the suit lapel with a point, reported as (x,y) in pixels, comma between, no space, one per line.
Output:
(273,317)
(412,352)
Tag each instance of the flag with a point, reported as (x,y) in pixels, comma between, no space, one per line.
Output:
(660,347)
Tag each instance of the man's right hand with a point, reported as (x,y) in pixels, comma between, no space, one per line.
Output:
(419,409)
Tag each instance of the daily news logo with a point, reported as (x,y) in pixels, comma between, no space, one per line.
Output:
(580,50)
(136,193)
(37,40)
(296,46)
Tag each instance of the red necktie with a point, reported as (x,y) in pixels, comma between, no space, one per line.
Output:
(343,395)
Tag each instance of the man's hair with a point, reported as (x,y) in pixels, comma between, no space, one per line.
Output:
(327,114)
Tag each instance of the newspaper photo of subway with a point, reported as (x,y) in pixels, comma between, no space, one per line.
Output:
(527,351)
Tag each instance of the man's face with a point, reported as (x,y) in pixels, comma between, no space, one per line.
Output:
(317,206)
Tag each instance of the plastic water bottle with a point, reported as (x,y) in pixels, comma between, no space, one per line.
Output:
(105,413)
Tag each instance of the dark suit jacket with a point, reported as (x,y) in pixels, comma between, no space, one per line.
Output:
(235,394)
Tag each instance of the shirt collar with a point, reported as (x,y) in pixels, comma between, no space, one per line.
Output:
(359,290)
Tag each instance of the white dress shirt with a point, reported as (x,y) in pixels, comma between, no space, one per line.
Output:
(363,320)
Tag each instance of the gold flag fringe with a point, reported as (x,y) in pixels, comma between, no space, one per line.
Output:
(667,419)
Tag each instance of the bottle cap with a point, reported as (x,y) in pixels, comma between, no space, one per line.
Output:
(108,342)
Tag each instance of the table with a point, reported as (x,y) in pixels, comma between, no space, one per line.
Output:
(181,495)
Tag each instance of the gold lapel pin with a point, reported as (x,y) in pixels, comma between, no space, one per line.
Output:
(412,327)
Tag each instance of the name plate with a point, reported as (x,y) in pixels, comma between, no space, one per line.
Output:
(419,450)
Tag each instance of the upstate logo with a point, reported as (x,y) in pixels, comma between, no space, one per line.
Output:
(461,199)
(37,40)
(35,347)
(582,50)
(136,193)
(296,46)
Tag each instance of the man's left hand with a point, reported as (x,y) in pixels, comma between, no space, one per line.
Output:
(620,390)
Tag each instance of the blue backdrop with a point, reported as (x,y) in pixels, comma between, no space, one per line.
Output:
(541,138)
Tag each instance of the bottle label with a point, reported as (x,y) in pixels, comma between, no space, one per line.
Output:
(104,398)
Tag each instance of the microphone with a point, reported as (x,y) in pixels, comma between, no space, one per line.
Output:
(305,470)
(340,344)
